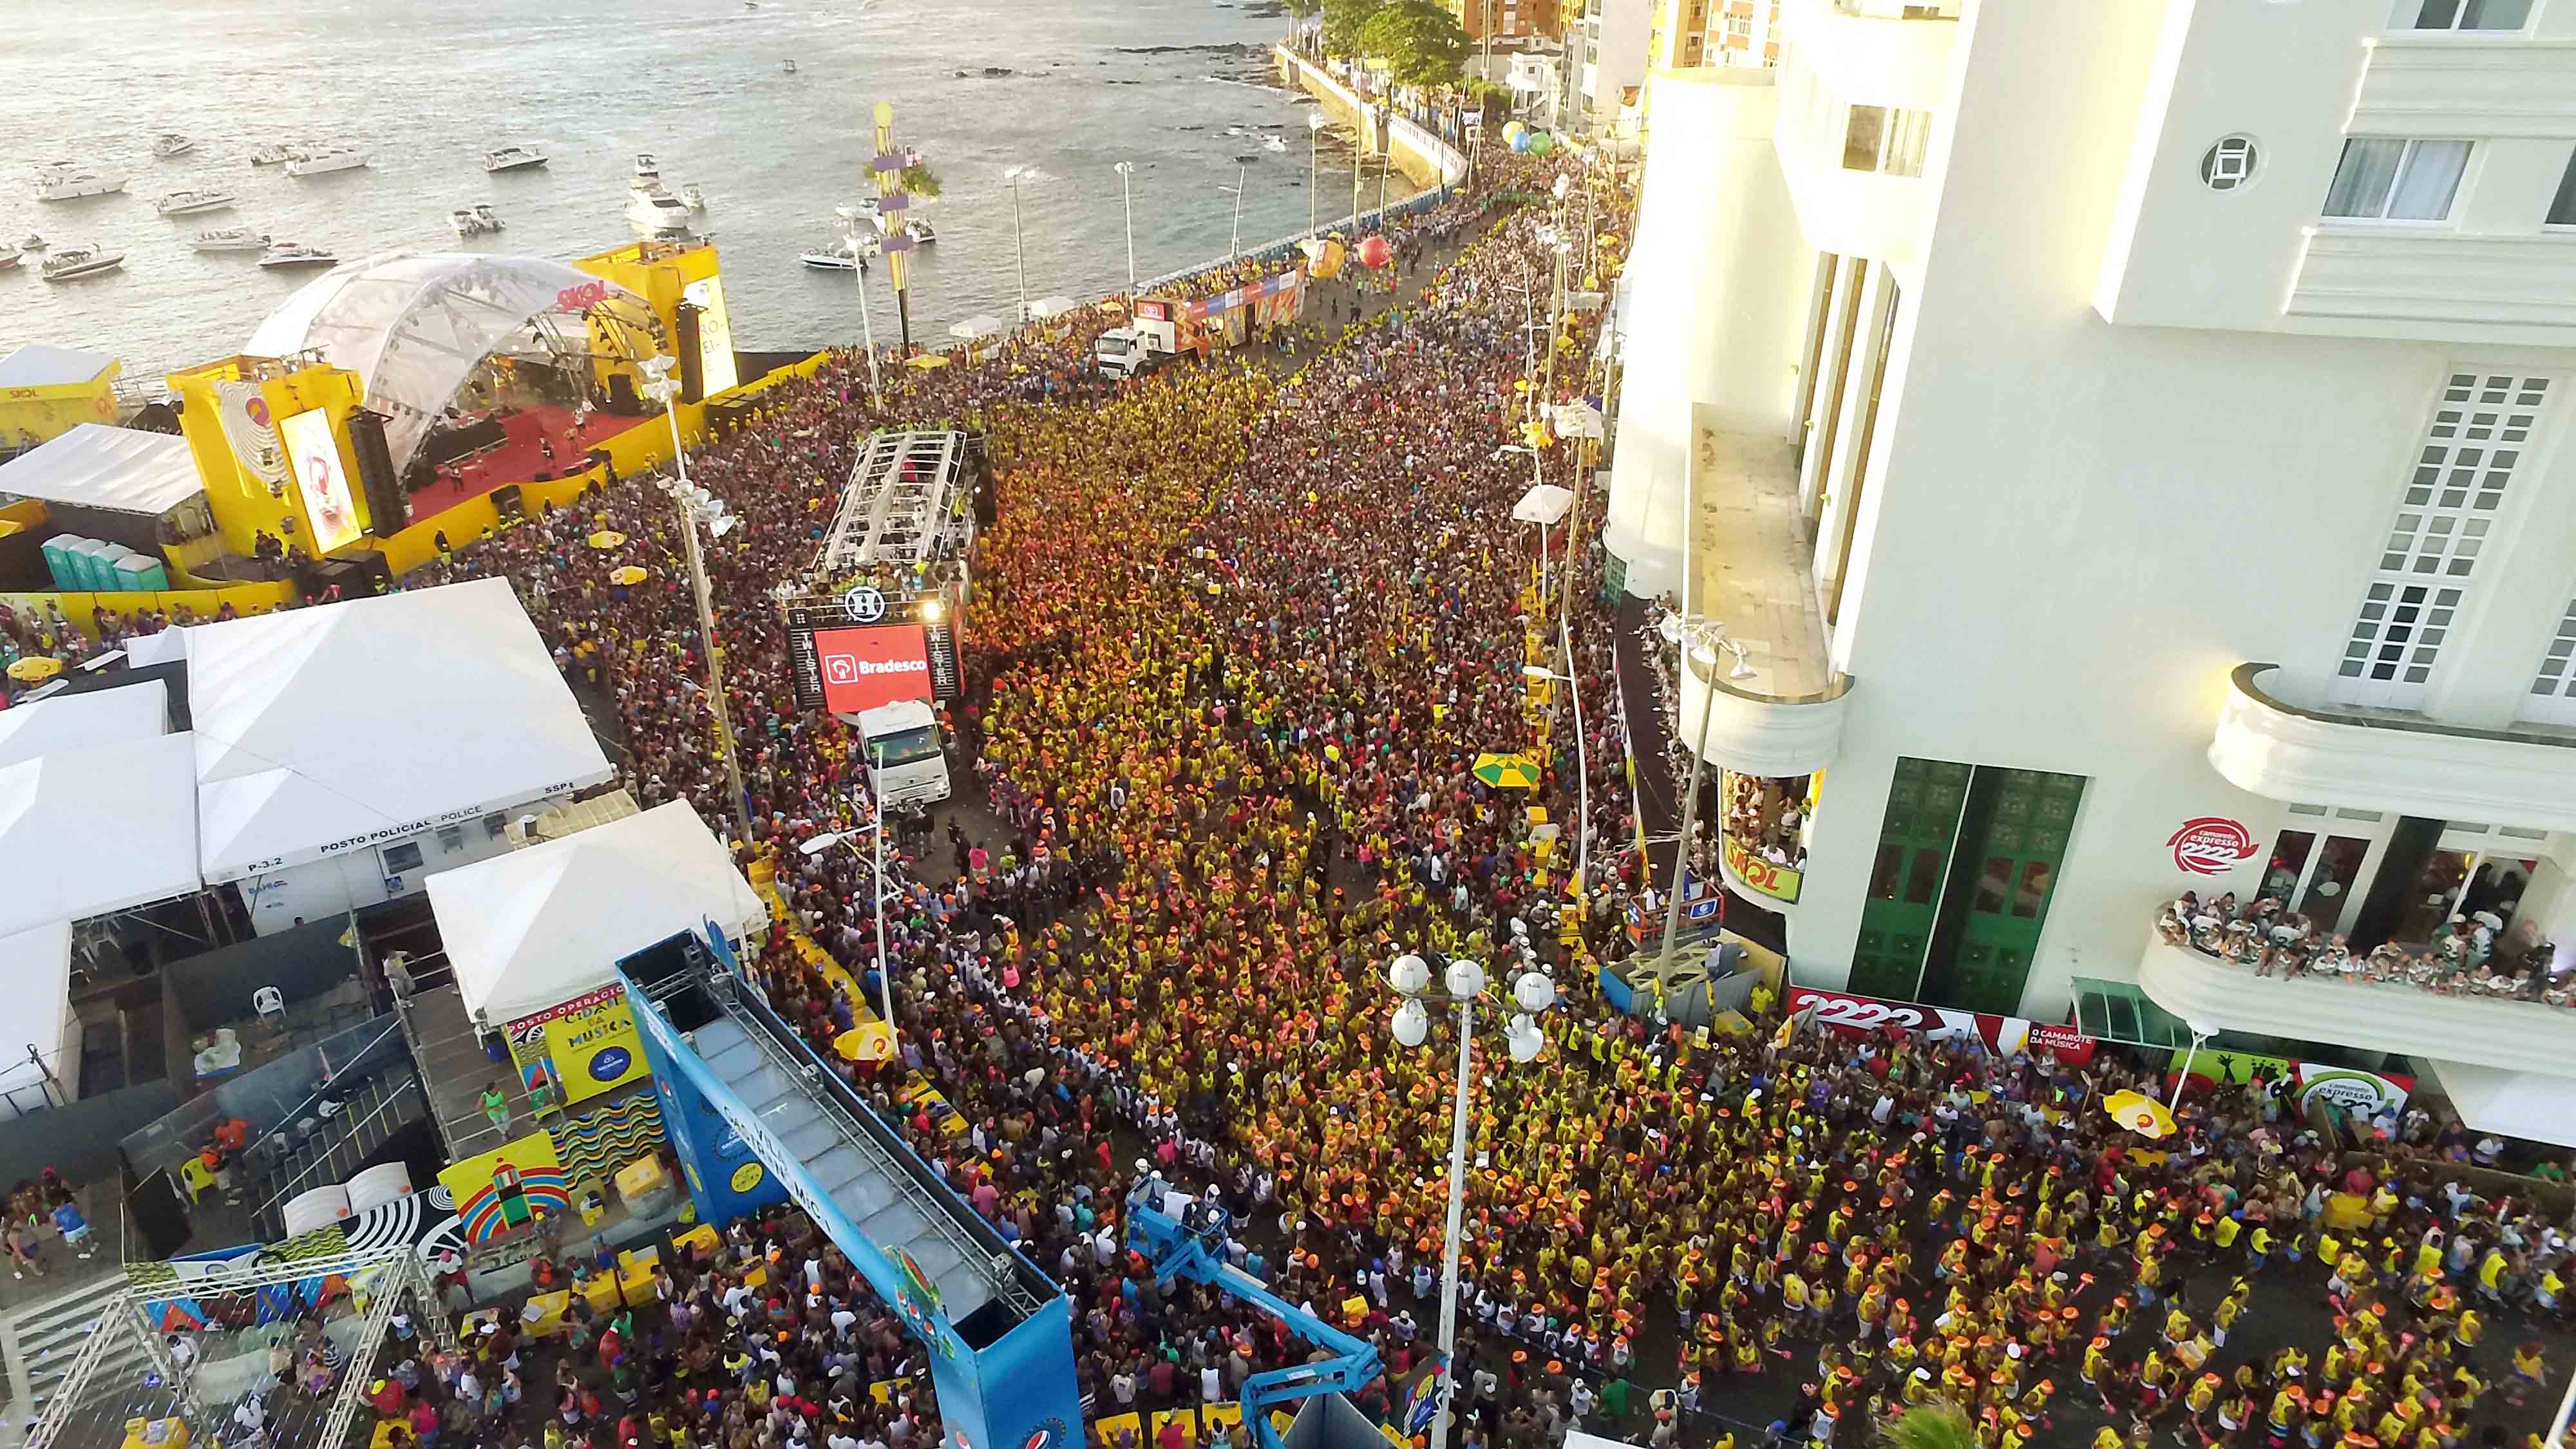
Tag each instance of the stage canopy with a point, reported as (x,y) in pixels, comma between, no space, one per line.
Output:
(540,926)
(415,325)
(88,831)
(117,469)
(36,972)
(329,729)
(138,711)
(41,364)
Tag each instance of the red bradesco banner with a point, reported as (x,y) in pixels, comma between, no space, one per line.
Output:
(864,668)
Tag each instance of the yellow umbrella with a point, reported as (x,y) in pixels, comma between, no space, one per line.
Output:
(926,361)
(1508,772)
(607,538)
(630,574)
(35,669)
(2139,1113)
(869,1041)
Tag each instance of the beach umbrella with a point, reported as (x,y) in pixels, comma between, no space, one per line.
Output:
(631,574)
(607,538)
(1507,772)
(35,669)
(869,1041)
(2139,1113)
(1376,253)
(927,361)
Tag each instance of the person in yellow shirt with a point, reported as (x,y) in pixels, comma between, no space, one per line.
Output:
(2528,1372)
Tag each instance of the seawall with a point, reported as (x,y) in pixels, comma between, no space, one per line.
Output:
(1420,155)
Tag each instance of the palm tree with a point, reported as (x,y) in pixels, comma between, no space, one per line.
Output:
(1932,1424)
(919,180)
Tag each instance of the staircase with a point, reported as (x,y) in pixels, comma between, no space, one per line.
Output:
(370,1115)
(456,1066)
(41,1340)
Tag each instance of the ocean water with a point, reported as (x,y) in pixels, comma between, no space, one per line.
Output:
(426,86)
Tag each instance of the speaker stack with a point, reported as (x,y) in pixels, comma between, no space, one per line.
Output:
(388,508)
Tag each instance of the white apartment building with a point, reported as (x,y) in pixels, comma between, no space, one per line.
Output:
(2109,427)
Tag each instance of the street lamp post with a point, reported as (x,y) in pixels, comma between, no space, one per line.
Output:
(1019,241)
(1582,759)
(1701,641)
(885,969)
(1314,165)
(1234,242)
(1126,171)
(697,506)
(1532,993)
(852,224)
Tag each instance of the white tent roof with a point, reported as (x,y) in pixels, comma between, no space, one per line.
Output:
(136,711)
(329,729)
(36,971)
(982,324)
(1045,307)
(413,326)
(540,926)
(2531,1105)
(159,648)
(41,364)
(1544,503)
(85,832)
(96,466)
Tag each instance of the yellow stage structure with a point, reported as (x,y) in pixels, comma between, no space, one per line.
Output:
(47,391)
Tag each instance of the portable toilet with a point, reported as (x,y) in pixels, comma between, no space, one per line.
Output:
(141,573)
(58,560)
(89,565)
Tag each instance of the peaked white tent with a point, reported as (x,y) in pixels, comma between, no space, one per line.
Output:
(36,971)
(540,926)
(319,731)
(97,466)
(85,832)
(139,711)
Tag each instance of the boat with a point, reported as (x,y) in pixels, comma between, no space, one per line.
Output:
(921,233)
(484,214)
(269,153)
(650,207)
(325,160)
(64,181)
(513,158)
(1275,143)
(692,198)
(189,203)
(1247,158)
(81,261)
(8,257)
(473,220)
(841,256)
(790,67)
(230,239)
(170,144)
(284,256)
(33,243)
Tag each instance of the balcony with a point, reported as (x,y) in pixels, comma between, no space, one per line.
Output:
(1874,52)
(1749,569)
(2393,760)
(2514,1036)
(1857,185)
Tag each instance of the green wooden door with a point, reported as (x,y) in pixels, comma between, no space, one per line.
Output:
(2014,864)
(1923,806)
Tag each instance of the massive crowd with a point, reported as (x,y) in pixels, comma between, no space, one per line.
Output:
(1237,641)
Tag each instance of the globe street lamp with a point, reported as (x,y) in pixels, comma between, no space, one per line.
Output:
(1465,983)
(699,508)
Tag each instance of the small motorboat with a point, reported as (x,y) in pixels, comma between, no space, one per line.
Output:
(325,160)
(189,203)
(841,256)
(270,153)
(1274,143)
(171,144)
(81,261)
(65,181)
(287,256)
(33,243)
(513,158)
(692,198)
(1234,130)
(8,257)
(921,233)
(789,66)
(230,239)
(1247,158)
(473,220)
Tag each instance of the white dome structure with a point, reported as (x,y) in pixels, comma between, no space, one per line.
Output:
(413,326)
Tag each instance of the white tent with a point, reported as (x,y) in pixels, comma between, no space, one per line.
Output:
(540,926)
(138,711)
(36,971)
(414,326)
(96,466)
(322,730)
(2516,1104)
(982,324)
(1544,504)
(159,648)
(41,364)
(85,832)
(1046,307)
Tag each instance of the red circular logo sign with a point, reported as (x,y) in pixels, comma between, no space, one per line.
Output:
(2211,845)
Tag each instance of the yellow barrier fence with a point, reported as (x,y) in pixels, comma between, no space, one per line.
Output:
(206,603)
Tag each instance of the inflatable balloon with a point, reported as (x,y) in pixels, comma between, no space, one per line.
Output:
(1514,130)
(1374,253)
(1521,143)
(1541,143)
(1329,254)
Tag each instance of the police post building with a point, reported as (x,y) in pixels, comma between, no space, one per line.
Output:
(2129,446)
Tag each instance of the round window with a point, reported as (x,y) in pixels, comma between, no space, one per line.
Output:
(2229,164)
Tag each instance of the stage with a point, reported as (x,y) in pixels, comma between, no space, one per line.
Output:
(523,458)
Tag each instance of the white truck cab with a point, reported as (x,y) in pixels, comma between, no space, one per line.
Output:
(906,764)
(1125,352)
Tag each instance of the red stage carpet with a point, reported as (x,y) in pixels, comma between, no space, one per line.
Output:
(522,458)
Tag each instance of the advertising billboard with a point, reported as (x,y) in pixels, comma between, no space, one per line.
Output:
(862,668)
(715,335)
(315,456)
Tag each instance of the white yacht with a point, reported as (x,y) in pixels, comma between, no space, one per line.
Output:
(650,207)
(230,239)
(692,198)
(513,158)
(474,220)
(269,153)
(841,256)
(83,261)
(326,159)
(282,256)
(171,144)
(64,181)
(190,202)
